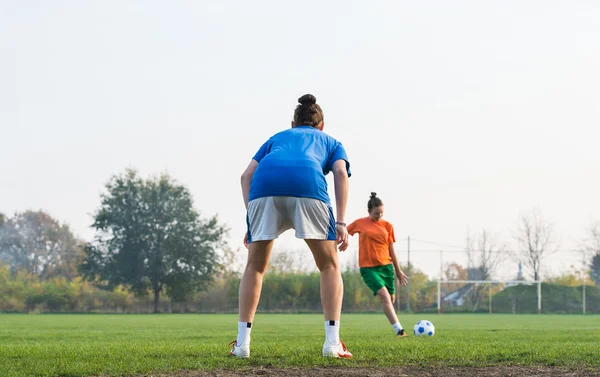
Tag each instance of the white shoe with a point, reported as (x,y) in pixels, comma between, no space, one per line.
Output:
(337,350)
(242,351)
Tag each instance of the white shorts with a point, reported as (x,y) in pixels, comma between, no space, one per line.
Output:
(270,216)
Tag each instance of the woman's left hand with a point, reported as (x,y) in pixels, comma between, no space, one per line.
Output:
(402,278)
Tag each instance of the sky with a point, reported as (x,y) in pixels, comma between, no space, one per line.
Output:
(461,115)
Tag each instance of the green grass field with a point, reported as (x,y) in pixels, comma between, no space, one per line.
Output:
(124,345)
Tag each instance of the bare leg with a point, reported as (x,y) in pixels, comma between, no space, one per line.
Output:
(251,284)
(332,286)
(387,305)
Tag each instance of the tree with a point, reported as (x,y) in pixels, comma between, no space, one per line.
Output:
(593,243)
(572,278)
(591,251)
(454,271)
(423,291)
(535,237)
(483,255)
(39,244)
(595,269)
(149,237)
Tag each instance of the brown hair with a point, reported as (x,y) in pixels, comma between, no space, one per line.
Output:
(308,113)
(374,201)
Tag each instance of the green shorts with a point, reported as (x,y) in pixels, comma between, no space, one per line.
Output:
(378,277)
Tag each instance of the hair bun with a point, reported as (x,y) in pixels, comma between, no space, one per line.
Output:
(373,195)
(307,99)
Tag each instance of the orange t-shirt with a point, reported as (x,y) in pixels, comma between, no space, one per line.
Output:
(373,242)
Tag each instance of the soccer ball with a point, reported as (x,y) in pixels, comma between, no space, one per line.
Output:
(424,328)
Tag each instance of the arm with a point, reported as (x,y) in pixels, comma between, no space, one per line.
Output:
(399,274)
(247,179)
(352,228)
(340,179)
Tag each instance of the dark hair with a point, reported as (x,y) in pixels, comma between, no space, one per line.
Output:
(308,113)
(374,201)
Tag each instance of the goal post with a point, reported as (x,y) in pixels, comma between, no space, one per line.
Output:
(463,293)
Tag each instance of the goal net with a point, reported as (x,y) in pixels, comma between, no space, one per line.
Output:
(492,296)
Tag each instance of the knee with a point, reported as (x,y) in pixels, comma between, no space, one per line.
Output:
(256,267)
(385,298)
(329,265)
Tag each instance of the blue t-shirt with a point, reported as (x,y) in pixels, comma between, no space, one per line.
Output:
(294,163)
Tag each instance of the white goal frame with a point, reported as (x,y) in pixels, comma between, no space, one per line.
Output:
(490,282)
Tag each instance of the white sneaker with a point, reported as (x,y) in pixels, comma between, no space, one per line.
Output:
(242,351)
(337,350)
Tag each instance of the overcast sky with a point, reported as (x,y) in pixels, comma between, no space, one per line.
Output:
(461,115)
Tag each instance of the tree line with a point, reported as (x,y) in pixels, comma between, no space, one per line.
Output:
(286,291)
(151,242)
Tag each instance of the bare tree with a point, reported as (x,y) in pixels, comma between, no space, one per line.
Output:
(591,244)
(483,253)
(535,237)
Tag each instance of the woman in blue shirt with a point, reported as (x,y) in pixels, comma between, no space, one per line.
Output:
(284,187)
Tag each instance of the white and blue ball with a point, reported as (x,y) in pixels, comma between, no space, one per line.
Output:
(424,328)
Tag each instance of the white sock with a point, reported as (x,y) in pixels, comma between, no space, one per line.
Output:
(244,329)
(397,327)
(332,332)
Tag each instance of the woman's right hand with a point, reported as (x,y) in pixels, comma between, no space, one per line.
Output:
(342,237)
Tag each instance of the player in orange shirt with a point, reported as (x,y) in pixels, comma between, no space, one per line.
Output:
(377,259)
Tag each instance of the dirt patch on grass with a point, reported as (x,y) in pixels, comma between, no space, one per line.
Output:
(498,371)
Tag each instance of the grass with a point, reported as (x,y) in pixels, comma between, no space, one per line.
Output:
(124,345)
